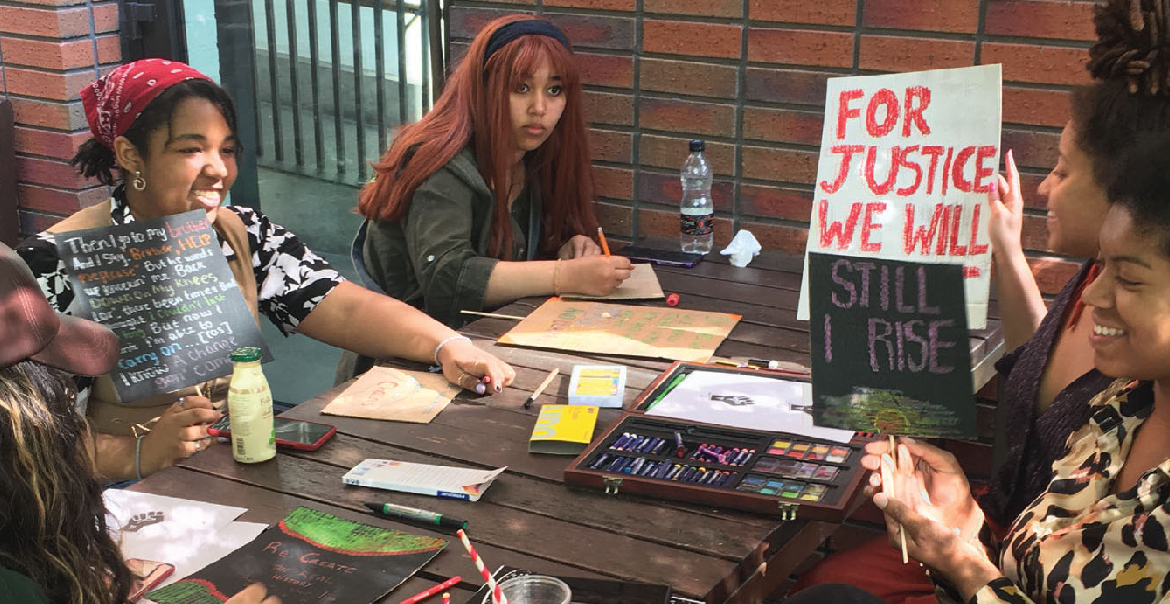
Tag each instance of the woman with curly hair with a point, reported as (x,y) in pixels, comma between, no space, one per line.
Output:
(55,545)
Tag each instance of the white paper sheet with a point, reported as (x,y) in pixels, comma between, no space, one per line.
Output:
(746,401)
(185,533)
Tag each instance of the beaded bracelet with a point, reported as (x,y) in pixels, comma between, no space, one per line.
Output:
(444,342)
(556,277)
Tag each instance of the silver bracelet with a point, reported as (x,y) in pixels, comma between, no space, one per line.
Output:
(444,343)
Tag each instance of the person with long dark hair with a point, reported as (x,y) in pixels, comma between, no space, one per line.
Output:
(489,197)
(169,132)
(55,545)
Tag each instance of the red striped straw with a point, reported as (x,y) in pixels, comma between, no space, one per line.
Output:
(497,593)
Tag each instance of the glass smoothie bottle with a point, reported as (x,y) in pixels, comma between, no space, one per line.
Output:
(250,409)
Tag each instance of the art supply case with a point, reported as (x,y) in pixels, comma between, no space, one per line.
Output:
(768,472)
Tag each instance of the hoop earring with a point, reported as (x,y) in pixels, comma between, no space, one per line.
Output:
(139,182)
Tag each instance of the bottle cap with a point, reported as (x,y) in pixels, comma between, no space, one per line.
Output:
(697,145)
(246,353)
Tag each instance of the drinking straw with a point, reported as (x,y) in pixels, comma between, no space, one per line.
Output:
(497,593)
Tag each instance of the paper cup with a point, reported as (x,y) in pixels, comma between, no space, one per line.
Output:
(536,589)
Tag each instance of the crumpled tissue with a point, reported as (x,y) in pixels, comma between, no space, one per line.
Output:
(742,249)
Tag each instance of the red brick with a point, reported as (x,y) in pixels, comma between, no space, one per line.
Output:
(609,108)
(1052,273)
(688,77)
(47,55)
(1032,149)
(787,239)
(662,223)
(51,172)
(609,145)
(47,23)
(705,8)
(1040,19)
(665,189)
(595,31)
(683,38)
(617,183)
(956,16)
(606,70)
(787,165)
(1038,64)
(1034,233)
(819,48)
(109,48)
(60,201)
(820,12)
(897,53)
(53,3)
(1036,106)
(617,220)
(622,5)
(465,22)
(786,85)
(56,86)
(775,202)
(59,145)
(667,152)
(50,114)
(105,17)
(782,125)
(686,116)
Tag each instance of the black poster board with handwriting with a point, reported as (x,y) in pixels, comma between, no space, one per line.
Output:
(164,286)
(890,347)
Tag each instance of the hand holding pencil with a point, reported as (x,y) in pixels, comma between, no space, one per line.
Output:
(927,501)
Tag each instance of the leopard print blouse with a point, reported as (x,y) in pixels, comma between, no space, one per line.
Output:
(1077,542)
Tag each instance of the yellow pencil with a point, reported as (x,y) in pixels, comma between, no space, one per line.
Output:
(604,244)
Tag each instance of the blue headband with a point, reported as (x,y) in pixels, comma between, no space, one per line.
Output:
(527,27)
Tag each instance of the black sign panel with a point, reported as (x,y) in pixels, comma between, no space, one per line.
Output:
(165,288)
(890,347)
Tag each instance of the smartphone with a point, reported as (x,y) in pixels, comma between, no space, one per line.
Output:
(638,253)
(294,433)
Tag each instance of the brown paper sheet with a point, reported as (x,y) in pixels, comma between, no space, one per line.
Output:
(642,285)
(640,331)
(394,395)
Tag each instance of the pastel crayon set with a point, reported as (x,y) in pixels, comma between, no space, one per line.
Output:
(683,460)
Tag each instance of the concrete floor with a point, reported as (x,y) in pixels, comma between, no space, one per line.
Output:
(321,214)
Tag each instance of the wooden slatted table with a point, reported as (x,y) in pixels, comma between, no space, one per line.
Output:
(529,518)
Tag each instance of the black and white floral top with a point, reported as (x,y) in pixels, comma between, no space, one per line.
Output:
(1078,541)
(291,279)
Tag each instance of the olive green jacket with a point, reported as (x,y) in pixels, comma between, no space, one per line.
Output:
(436,257)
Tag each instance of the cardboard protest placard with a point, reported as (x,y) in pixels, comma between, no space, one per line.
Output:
(394,395)
(889,347)
(906,163)
(164,287)
(639,331)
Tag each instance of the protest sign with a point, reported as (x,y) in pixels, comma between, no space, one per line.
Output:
(164,287)
(889,347)
(906,163)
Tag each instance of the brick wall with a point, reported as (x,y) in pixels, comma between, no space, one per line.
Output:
(749,77)
(49,50)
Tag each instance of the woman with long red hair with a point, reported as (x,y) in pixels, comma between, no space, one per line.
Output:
(488,198)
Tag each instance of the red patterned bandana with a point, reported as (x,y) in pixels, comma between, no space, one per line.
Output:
(115,100)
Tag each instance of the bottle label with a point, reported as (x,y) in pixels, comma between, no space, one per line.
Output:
(701,224)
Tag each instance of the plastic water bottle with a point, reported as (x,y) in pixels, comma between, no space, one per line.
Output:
(250,409)
(696,212)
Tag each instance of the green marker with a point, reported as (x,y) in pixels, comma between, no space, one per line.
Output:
(417,515)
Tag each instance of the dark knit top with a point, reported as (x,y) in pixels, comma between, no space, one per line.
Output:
(1034,443)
